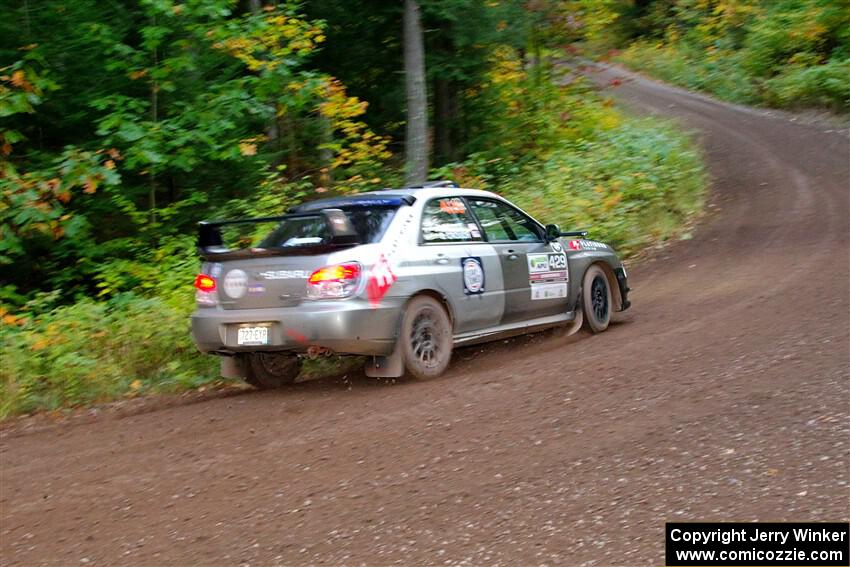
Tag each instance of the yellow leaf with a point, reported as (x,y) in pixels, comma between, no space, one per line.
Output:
(10,319)
(247,149)
(135,385)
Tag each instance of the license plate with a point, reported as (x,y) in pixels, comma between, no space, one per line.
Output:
(252,336)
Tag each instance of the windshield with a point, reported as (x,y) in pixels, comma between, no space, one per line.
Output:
(370,224)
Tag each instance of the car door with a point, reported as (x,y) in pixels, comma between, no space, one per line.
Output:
(534,271)
(450,258)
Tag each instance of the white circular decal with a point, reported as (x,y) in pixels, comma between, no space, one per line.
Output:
(557,247)
(473,275)
(235,283)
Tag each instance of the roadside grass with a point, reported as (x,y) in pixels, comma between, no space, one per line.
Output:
(725,74)
(95,351)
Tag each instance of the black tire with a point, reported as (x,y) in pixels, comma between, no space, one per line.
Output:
(596,299)
(269,370)
(426,338)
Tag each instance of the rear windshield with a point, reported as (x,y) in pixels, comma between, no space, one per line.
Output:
(370,224)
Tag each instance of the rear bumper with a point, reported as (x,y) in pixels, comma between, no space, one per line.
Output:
(346,326)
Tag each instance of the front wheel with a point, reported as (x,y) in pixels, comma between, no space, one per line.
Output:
(269,370)
(426,338)
(596,299)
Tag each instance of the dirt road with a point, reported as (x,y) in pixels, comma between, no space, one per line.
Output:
(723,394)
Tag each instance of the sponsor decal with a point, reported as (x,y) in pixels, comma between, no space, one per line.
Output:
(587,245)
(547,267)
(473,275)
(452,206)
(554,275)
(382,275)
(381,278)
(556,247)
(538,263)
(548,291)
(284,275)
(256,289)
(448,232)
(236,284)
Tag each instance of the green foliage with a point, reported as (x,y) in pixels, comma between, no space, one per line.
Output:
(631,185)
(822,85)
(187,107)
(720,73)
(96,351)
(788,53)
(631,182)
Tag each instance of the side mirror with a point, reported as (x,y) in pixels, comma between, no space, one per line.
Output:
(553,232)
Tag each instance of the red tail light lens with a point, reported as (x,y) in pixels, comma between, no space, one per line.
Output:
(334,282)
(205,283)
(205,296)
(338,273)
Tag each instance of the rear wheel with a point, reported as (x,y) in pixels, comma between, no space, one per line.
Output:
(596,299)
(426,338)
(268,370)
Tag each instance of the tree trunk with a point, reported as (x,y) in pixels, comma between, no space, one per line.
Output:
(416,144)
(154,100)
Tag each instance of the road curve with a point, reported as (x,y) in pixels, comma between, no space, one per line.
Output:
(723,394)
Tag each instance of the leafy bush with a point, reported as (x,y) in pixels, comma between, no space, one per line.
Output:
(95,351)
(720,73)
(825,85)
(632,184)
(787,53)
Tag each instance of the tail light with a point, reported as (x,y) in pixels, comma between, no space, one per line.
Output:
(334,282)
(205,286)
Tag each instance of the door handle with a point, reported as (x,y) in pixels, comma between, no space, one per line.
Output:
(441,261)
(511,255)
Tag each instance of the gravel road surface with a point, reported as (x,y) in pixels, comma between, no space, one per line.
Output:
(723,394)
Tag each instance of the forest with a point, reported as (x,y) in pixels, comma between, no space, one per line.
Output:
(125,123)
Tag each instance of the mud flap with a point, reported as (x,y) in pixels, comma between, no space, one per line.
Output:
(576,323)
(233,367)
(386,366)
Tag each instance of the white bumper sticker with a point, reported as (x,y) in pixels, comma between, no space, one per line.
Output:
(548,291)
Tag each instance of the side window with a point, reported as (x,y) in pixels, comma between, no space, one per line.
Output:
(447,220)
(503,222)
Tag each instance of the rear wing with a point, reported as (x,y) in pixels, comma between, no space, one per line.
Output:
(211,244)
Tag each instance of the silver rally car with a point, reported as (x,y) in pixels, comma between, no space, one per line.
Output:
(402,276)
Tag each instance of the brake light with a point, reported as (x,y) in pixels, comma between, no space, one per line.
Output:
(334,282)
(205,283)
(205,294)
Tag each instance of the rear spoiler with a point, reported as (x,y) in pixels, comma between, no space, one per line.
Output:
(211,244)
